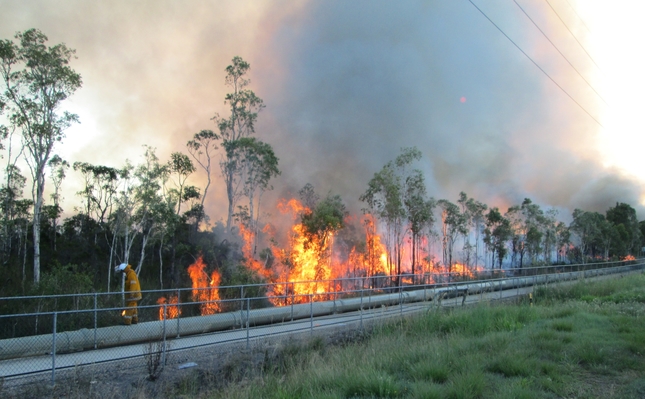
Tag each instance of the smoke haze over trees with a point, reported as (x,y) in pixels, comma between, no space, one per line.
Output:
(346,85)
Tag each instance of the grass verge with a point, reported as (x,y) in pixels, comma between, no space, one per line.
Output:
(584,340)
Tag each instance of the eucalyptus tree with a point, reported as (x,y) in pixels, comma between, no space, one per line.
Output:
(549,234)
(11,191)
(562,241)
(385,197)
(180,167)
(419,211)
(58,168)
(4,130)
(122,219)
(607,235)
(257,164)
(37,80)
(320,224)
(453,224)
(473,212)
(519,230)
(626,215)
(476,211)
(100,188)
(14,211)
(529,229)
(308,196)
(496,233)
(533,219)
(154,212)
(465,211)
(585,226)
(244,108)
(202,148)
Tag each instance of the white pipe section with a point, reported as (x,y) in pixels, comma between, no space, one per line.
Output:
(74,341)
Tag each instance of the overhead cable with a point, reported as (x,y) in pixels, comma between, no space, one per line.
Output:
(579,17)
(536,64)
(574,36)
(558,50)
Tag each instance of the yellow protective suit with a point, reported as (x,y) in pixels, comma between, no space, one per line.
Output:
(132,296)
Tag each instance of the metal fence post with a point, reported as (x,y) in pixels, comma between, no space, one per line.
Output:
(54,350)
(311,314)
(178,311)
(361,310)
(401,295)
(95,319)
(241,307)
(425,286)
(165,316)
(292,298)
(248,306)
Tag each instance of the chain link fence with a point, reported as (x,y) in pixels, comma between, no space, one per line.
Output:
(40,335)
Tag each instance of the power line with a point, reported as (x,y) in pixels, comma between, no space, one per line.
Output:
(574,36)
(579,17)
(535,63)
(558,50)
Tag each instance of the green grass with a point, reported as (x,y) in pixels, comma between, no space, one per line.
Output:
(583,340)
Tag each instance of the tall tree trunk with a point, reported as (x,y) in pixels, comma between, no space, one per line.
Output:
(38,203)
(229,193)
(111,258)
(161,263)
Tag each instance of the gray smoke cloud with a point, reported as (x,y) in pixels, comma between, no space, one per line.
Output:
(346,84)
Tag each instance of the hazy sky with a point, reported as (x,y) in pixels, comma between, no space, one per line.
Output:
(348,83)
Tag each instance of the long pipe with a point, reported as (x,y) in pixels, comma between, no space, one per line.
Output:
(85,339)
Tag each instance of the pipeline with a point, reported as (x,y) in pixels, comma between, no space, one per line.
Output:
(84,339)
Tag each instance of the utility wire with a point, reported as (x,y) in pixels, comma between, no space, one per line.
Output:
(574,36)
(579,17)
(535,63)
(558,50)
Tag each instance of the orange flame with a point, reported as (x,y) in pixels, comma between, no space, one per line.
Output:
(629,257)
(205,290)
(248,250)
(172,308)
(309,261)
(313,267)
(464,271)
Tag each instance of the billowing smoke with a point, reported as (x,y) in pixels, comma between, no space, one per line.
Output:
(346,84)
(359,81)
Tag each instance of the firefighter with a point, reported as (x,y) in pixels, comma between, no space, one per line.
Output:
(133,294)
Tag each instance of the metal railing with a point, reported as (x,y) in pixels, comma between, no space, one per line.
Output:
(42,334)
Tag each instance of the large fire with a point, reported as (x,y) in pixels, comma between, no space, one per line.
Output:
(205,289)
(313,267)
(248,250)
(205,292)
(308,269)
(306,265)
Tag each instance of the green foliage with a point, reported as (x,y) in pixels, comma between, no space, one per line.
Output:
(63,280)
(244,108)
(36,80)
(496,233)
(618,291)
(565,349)
(325,219)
